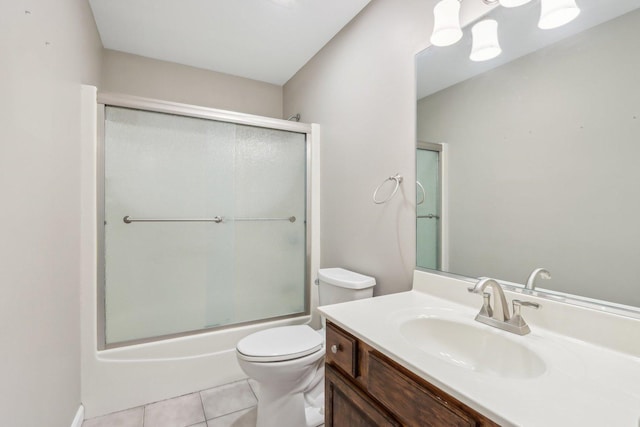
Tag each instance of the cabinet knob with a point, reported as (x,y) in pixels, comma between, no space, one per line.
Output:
(336,348)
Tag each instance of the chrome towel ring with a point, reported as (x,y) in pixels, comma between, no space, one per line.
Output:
(424,193)
(398,179)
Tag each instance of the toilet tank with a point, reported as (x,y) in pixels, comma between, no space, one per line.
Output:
(339,285)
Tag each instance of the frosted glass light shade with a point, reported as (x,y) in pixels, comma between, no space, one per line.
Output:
(556,13)
(446,24)
(485,44)
(513,3)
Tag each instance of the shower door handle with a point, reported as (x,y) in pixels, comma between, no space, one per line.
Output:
(128,220)
(429,216)
(217,219)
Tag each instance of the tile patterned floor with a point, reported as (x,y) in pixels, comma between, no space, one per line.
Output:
(230,405)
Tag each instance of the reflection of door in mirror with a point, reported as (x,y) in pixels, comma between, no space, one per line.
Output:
(428,203)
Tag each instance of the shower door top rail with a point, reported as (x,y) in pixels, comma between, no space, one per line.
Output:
(176,108)
(217,219)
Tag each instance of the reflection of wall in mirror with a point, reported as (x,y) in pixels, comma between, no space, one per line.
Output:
(543,164)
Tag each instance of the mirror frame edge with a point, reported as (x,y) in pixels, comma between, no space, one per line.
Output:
(547,294)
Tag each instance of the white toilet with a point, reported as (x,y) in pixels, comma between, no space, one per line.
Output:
(288,361)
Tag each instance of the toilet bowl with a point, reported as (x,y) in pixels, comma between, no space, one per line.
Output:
(287,362)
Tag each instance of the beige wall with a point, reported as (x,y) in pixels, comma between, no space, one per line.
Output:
(361,89)
(45,55)
(151,78)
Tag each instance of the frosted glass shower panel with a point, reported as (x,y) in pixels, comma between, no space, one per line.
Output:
(270,178)
(171,269)
(167,277)
(428,212)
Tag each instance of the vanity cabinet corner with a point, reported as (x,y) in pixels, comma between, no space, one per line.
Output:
(365,388)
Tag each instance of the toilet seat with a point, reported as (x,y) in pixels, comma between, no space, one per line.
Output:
(279,344)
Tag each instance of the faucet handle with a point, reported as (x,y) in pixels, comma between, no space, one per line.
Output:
(516,321)
(486,309)
(517,304)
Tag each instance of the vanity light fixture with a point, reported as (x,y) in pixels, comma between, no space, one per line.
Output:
(446,23)
(556,13)
(485,43)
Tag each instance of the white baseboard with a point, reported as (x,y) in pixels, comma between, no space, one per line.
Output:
(79,418)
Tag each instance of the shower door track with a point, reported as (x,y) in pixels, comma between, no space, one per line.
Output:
(158,106)
(105,99)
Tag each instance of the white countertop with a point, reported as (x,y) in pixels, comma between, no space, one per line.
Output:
(583,384)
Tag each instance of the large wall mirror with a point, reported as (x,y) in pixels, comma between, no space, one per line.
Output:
(541,160)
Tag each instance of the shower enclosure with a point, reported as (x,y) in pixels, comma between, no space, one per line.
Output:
(204,224)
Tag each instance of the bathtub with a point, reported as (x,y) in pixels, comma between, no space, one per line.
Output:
(125,377)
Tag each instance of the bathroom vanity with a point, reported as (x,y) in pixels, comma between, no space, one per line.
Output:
(420,358)
(364,387)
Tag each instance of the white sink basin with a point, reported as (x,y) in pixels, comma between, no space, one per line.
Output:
(477,348)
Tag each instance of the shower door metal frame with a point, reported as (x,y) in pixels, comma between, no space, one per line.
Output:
(152,105)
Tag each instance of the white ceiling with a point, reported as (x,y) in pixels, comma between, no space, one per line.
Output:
(266,40)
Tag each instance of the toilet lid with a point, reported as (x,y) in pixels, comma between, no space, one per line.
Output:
(279,344)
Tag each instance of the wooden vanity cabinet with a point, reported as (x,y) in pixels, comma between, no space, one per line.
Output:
(365,388)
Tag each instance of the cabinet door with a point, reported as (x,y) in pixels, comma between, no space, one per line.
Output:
(346,406)
(413,403)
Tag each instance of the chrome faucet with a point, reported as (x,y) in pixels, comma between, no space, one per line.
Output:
(498,314)
(531,281)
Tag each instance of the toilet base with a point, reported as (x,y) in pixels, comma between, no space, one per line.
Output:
(314,415)
(284,411)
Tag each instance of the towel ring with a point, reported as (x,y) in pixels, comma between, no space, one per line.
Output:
(424,193)
(398,179)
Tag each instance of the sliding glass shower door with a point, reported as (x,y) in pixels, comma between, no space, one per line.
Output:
(204,224)
(428,194)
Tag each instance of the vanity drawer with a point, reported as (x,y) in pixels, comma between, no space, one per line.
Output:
(413,403)
(341,350)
